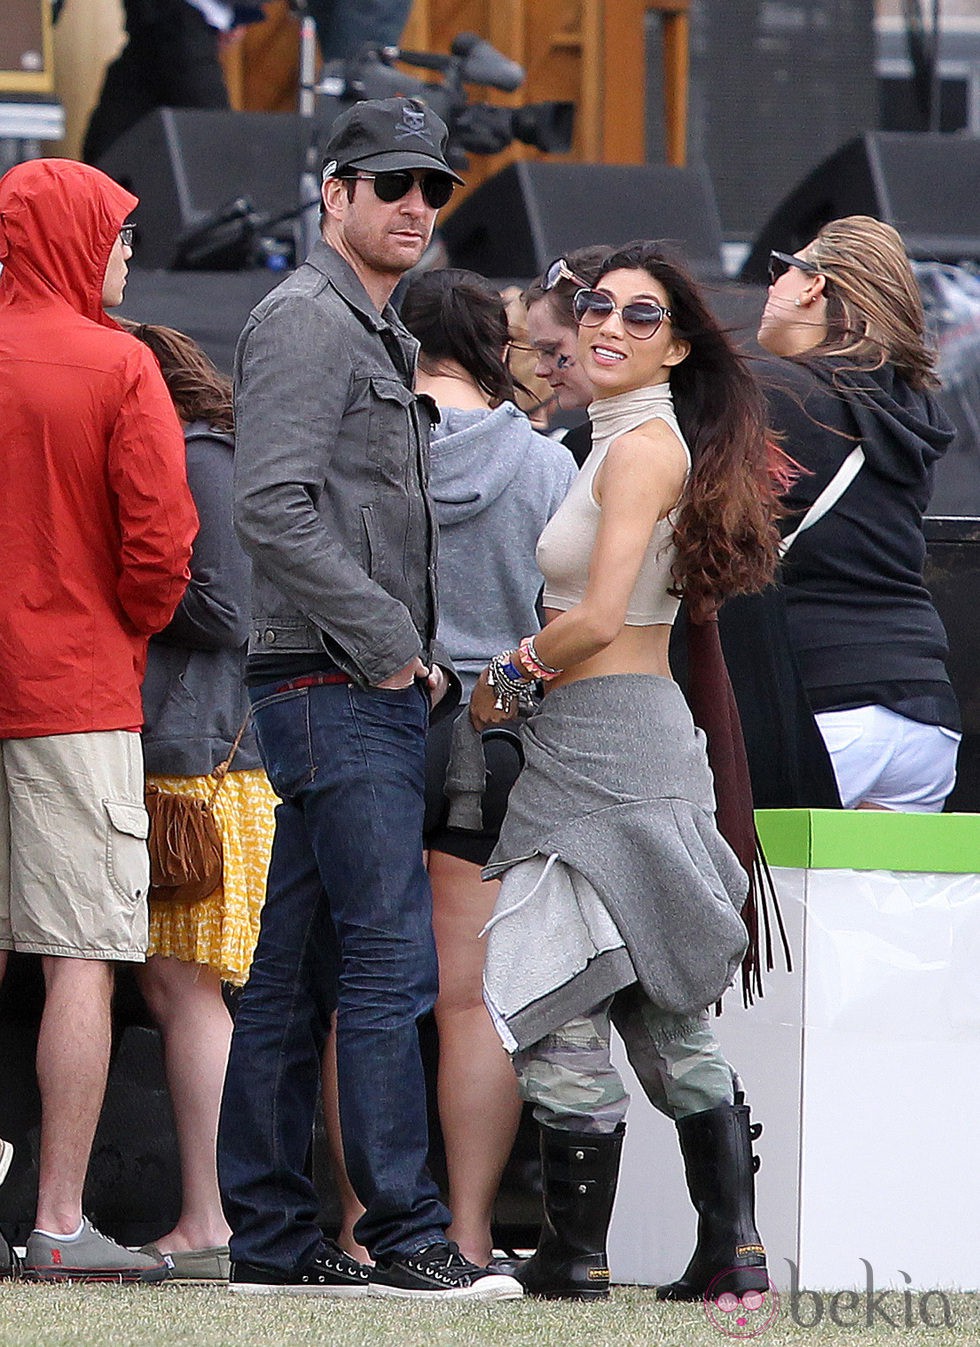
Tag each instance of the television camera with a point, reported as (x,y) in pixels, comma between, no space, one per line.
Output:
(474,128)
(237,236)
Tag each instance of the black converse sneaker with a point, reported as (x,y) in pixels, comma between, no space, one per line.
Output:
(440,1272)
(330,1272)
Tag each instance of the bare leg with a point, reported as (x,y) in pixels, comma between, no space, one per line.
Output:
(185,1000)
(72,1067)
(479,1106)
(351,1209)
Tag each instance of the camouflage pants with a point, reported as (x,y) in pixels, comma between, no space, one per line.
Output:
(571,1081)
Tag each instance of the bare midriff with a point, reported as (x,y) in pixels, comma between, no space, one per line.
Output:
(635,650)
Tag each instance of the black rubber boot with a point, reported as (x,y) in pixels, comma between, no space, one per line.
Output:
(720,1168)
(579,1172)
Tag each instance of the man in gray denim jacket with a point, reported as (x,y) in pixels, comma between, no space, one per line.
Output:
(331,503)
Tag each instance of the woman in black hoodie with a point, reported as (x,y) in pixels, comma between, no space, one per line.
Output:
(852,401)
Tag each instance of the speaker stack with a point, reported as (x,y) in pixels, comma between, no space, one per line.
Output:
(524,217)
(187,164)
(924,184)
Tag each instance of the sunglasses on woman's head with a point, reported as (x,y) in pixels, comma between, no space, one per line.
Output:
(641,318)
(780,263)
(391,186)
(559,270)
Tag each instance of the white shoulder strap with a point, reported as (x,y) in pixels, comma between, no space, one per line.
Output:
(828,497)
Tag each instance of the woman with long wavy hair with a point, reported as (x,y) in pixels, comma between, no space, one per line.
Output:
(620,900)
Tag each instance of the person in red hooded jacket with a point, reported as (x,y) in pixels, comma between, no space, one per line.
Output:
(96,527)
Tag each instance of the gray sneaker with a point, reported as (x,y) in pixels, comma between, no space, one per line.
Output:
(89,1257)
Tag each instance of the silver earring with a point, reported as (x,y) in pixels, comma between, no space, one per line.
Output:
(798,303)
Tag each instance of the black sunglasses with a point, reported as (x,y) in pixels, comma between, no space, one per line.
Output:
(127,233)
(780,263)
(640,319)
(559,270)
(437,188)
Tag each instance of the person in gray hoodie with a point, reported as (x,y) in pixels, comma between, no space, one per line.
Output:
(495,483)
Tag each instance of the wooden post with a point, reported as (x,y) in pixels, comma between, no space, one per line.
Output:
(676,58)
(622,60)
(591,52)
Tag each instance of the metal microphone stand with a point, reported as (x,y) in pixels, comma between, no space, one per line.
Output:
(307,227)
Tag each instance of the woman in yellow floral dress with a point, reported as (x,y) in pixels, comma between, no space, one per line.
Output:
(193,705)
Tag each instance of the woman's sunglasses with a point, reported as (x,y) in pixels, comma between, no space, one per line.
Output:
(780,263)
(437,188)
(559,270)
(640,319)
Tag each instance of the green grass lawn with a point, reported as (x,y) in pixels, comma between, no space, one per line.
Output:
(62,1316)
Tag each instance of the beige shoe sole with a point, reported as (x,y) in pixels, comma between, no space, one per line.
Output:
(194,1266)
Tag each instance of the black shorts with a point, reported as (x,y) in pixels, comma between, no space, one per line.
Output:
(503,759)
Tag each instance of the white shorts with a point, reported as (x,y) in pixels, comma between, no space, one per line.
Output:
(74,865)
(884,759)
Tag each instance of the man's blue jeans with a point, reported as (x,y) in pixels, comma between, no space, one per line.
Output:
(347,923)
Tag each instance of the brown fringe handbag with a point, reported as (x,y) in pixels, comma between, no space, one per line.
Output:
(714,710)
(186,861)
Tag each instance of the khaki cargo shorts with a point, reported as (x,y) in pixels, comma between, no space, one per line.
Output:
(74,865)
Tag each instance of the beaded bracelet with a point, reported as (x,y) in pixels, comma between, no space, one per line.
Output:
(534,662)
(508,687)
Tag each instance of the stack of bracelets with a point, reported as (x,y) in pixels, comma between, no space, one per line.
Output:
(509,683)
(533,661)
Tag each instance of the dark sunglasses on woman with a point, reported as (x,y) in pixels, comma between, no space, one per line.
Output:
(780,263)
(437,188)
(641,319)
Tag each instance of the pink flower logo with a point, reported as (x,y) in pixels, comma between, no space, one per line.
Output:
(748,1315)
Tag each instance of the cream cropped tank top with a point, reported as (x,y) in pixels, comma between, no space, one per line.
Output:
(565,546)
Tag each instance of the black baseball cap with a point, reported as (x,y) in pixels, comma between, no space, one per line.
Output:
(381,134)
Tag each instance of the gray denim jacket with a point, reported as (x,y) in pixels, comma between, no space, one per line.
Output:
(331,476)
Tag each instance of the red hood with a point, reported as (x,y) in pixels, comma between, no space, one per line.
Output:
(58,222)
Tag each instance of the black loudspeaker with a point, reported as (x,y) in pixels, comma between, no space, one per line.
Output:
(530,213)
(774,89)
(186,164)
(132,1190)
(952,574)
(210,306)
(922,183)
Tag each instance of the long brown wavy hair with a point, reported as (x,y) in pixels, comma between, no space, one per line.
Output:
(874,308)
(725,529)
(200,392)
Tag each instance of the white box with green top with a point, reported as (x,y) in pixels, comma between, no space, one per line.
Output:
(863,1064)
